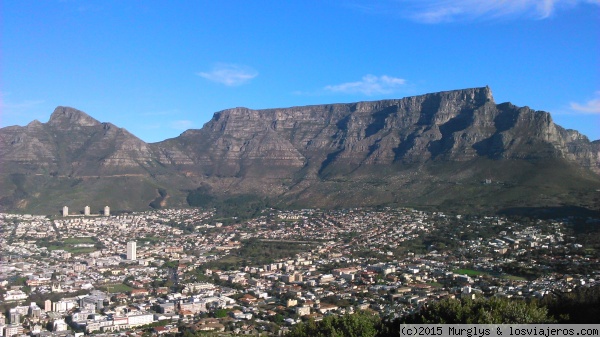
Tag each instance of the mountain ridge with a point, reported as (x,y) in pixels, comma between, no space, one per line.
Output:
(387,152)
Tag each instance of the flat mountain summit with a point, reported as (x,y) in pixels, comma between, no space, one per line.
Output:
(453,149)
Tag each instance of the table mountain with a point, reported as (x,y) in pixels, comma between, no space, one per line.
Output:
(448,149)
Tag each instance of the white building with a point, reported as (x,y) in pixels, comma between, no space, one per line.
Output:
(303,310)
(62,306)
(13,330)
(143,319)
(65,211)
(131,250)
(15,317)
(60,325)
(106,211)
(86,210)
(14,295)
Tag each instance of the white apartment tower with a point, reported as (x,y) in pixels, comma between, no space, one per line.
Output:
(106,211)
(131,250)
(86,210)
(14,316)
(65,211)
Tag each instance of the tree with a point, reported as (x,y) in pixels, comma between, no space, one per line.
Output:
(578,307)
(351,325)
(169,283)
(188,333)
(494,310)
(220,313)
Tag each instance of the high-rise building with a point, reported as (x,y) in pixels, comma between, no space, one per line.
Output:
(86,210)
(131,250)
(65,211)
(106,211)
(48,305)
(14,316)
(35,311)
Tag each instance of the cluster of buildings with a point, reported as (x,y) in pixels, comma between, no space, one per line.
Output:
(86,211)
(167,268)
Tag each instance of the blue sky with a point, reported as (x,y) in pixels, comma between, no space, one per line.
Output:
(158,68)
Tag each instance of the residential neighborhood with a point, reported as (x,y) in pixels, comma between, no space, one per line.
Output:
(177,270)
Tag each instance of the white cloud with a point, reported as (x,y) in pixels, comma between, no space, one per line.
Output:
(19,112)
(369,85)
(437,11)
(230,74)
(181,124)
(8,105)
(590,107)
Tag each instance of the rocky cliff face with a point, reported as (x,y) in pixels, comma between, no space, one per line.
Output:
(408,150)
(76,160)
(73,144)
(456,125)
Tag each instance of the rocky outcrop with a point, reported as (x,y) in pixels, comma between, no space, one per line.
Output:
(65,118)
(73,144)
(455,125)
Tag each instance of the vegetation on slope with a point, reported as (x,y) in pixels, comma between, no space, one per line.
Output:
(581,306)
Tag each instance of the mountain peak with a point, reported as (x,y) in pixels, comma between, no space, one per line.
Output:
(479,95)
(64,116)
(486,92)
(34,124)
